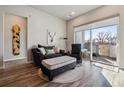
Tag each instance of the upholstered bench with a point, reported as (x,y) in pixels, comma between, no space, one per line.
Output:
(54,66)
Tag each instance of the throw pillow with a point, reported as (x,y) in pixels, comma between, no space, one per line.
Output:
(56,50)
(42,50)
(50,51)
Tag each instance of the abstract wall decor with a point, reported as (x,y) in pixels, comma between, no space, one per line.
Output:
(16,39)
(51,36)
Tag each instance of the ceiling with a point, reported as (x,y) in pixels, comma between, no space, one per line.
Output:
(63,11)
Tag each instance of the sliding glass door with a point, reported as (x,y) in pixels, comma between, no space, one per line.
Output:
(99,41)
(104,41)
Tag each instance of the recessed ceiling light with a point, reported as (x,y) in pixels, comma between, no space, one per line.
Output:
(72,13)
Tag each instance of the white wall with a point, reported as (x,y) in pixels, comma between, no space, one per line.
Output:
(98,14)
(38,23)
(9,21)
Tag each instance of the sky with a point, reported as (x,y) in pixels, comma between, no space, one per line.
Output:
(110,29)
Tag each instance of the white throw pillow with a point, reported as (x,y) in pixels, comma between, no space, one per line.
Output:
(50,51)
(42,50)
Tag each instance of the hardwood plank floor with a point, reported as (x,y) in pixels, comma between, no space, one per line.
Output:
(26,75)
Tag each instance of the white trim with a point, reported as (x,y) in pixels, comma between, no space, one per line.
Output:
(3,38)
(3,15)
(91,45)
(118,44)
(27,19)
(14,59)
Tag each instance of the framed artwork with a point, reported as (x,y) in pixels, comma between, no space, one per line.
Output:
(51,38)
(16,39)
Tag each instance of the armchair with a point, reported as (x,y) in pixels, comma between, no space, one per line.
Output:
(76,52)
(37,56)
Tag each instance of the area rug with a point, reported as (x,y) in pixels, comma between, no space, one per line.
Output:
(66,77)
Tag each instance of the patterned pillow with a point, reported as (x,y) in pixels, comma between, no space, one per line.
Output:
(51,51)
(56,50)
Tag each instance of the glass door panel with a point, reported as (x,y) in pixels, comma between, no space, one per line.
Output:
(86,44)
(104,44)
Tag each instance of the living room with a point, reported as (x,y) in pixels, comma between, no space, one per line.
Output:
(44,27)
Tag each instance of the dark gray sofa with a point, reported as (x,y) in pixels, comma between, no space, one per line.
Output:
(38,56)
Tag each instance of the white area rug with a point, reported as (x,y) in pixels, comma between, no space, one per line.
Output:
(66,77)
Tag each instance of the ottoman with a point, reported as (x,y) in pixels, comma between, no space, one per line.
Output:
(55,66)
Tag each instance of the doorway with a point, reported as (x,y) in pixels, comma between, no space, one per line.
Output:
(99,41)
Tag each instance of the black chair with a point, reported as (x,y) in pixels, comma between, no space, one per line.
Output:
(76,52)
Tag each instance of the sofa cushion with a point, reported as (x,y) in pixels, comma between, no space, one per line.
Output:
(51,55)
(45,47)
(54,63)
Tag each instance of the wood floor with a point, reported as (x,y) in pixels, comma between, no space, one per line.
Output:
(26,75)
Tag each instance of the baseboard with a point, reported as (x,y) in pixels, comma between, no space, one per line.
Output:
(12,63)
(14,59)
